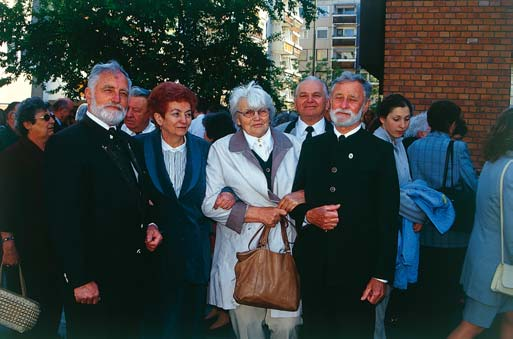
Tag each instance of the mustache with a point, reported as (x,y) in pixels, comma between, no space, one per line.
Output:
(340,110)
(118,106)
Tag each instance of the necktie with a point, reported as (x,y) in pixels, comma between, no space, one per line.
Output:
(309,130)
(341,139)
(119,154)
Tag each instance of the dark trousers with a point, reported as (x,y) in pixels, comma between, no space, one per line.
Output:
(336,312)
(180,312)
(117,315)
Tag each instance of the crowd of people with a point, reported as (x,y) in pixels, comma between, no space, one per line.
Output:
(129,214)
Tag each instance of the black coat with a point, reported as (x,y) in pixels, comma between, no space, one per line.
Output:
(360,174)
(97,215)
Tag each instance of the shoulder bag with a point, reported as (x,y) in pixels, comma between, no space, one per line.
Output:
(463,198)
(267,279)
(502,281)
(17,312)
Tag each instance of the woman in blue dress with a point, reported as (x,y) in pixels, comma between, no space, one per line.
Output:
(484,249)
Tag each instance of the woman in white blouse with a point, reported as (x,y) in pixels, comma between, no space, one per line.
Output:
(258,163)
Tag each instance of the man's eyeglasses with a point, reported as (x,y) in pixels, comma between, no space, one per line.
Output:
(47,117)
(263,113)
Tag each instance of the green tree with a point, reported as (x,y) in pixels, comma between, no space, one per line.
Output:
(208,45)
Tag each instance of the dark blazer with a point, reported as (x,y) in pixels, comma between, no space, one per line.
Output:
(185,252)
(360,174)
(97,215)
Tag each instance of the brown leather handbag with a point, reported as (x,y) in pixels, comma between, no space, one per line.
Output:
(267,279)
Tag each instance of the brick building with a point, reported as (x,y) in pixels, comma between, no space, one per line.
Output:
(455,50)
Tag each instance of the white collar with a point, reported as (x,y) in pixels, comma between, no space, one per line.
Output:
(167,147)
(266,139)
(348,134)
(149,128)
(319,127)
(98,121)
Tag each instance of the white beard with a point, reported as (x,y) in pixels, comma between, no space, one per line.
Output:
(354,118)
(109,116)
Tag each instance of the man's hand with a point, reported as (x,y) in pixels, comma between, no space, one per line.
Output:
(324,217)
(10,254)
(87,294)
(269,216)
(291,200)
(374,291)
(417,227)
(225,200)
(153,238)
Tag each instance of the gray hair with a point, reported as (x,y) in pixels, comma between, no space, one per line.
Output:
(81,112)
(347,76)
(418,123)
(312,78)
(111,66)
(137,91)
(255,95)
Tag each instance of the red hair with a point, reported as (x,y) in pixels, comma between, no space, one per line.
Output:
(167,92)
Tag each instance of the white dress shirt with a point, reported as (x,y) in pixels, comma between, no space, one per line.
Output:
(262,146)
(300,130)
(149,128)
(175,159)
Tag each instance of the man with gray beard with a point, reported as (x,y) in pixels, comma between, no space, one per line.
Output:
(346,247)
(102,222)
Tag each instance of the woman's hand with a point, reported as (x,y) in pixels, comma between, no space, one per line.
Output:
(291,200)
(225,200)
(417,227)
(269,216)
(10,254)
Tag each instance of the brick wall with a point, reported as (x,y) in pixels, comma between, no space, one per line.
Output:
(455,50)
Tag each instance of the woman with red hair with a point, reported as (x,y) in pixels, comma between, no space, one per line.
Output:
(174,163)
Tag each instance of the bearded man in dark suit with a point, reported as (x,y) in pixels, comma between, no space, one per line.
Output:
(347,229)
(100,225)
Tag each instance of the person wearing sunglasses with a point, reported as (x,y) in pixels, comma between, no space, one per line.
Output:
(23,222)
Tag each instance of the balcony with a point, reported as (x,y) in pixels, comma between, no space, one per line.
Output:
(344,19)
(343,41)
(343,63)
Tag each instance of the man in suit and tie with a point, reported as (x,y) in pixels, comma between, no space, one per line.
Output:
(62,111)
(347,229)
(312,101)
(138,116)
(101,224)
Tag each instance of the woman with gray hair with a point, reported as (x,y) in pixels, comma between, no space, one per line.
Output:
(257,162)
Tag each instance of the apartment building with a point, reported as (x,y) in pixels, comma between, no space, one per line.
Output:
(330,44)
(285,49)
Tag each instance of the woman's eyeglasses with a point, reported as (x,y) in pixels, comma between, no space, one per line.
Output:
(47,117)
(263,113)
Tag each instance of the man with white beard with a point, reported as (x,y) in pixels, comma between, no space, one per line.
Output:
(102,221)
(346,247)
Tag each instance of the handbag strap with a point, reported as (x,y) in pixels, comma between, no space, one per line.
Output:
(22,280)
(264,237)
(449,155)
(501,204)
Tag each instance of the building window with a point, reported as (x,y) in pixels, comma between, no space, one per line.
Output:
(345,10)
(323,11)
(322,55)
(345,32)
(304,33)
(303,56)
(322,33)
(344,54)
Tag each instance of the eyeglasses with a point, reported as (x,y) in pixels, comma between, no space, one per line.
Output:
(47,117)
(263,113)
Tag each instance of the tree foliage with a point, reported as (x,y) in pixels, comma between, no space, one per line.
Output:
(210,46)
